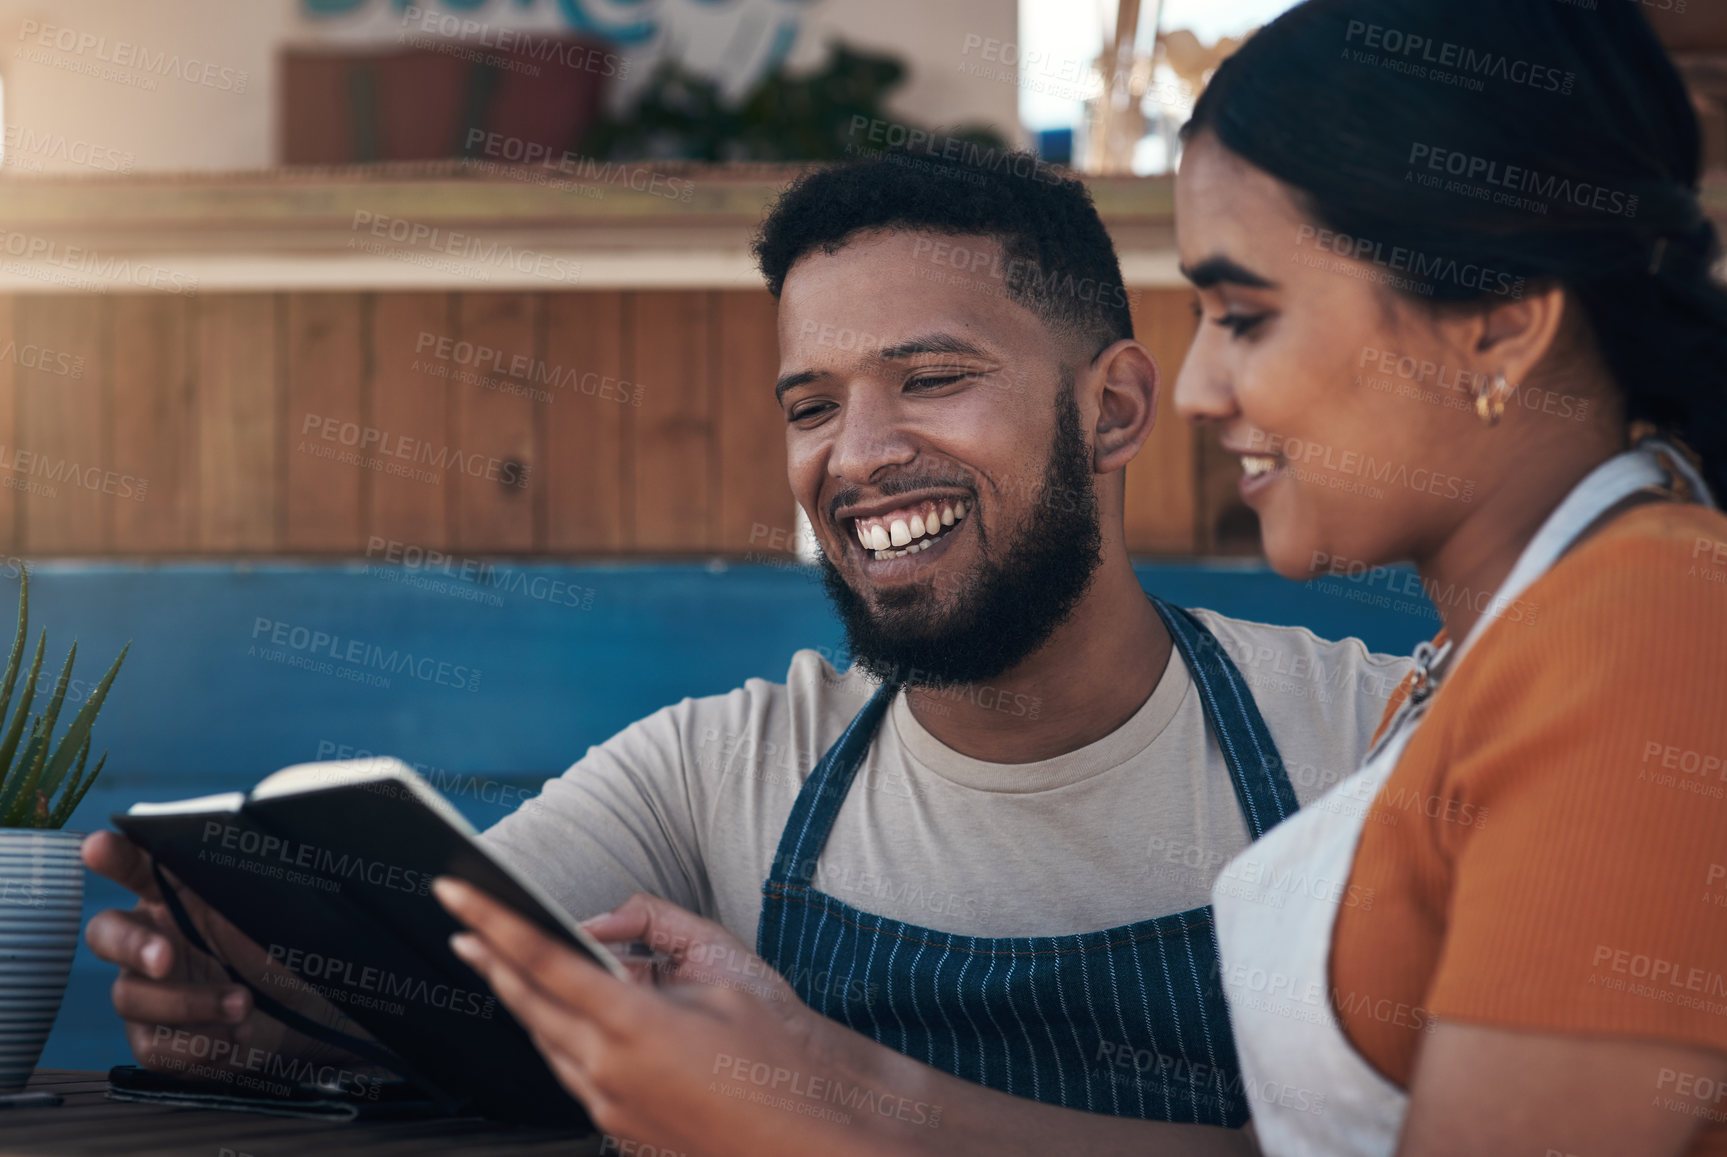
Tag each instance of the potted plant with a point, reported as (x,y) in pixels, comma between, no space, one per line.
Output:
(41,877)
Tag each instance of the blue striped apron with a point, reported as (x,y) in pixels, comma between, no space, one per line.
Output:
(1130,1021)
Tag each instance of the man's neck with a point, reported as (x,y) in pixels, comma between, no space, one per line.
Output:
(1096,671)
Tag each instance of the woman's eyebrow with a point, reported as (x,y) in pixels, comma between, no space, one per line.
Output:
(1221,270)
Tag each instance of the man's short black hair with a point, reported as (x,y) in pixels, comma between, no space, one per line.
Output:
(1057,259)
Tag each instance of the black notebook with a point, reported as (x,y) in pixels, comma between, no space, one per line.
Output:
(328,867)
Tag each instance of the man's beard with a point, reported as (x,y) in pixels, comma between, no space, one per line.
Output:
(1010,605)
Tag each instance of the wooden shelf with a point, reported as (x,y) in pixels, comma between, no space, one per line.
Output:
(312,229)
(309,230)
(454,192)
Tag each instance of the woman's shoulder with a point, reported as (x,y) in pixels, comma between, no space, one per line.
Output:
(1620,650)
(1679,547)
(1574,772)
(1664,528)
(1648,590)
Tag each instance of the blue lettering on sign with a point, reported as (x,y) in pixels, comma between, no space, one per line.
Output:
(575,13)
(576,16)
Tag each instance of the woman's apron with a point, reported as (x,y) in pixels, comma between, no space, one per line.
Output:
(1128,1021)
(1276,961)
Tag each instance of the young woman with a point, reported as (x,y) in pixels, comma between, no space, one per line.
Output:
(1452,268)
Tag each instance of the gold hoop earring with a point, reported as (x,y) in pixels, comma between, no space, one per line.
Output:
(1490,403)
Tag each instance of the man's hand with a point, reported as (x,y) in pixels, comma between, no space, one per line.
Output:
(691,950)
(168,992)
(716,1056)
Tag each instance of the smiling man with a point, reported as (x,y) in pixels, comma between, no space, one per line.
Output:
(990,842)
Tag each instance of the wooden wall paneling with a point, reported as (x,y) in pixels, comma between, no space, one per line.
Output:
(1162,482)
(494,481)
(68,487)
(205,402)
(755,499)
(587,421)
(412,397)
(324,501)
(240,415)
(11,537)
(1227,524)
(154,422)
(671,472)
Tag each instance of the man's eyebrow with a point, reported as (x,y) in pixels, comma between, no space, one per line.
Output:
(1219,270)
(937,343)
(792,382)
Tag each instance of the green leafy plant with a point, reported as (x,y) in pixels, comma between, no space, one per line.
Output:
(680,115)
(29,779)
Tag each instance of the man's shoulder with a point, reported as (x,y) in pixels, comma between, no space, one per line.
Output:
(1293,670)
(813,675)
(1321,698)
(1292,651)
(813,690)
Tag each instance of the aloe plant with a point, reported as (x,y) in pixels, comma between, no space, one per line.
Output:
(30,779)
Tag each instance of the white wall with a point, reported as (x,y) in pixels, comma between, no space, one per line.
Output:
(103,92)
(177,124)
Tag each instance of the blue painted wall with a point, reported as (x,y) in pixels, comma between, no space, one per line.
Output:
(237,670)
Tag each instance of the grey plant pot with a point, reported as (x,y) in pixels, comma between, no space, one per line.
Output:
(41,898)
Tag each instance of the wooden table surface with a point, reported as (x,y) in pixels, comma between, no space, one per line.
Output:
(88,1123)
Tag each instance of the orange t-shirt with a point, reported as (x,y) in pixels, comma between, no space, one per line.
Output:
(1550,852)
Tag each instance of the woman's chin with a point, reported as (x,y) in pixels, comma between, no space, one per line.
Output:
(1293,556)
(1292,571)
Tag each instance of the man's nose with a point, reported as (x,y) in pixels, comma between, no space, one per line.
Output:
(868,440)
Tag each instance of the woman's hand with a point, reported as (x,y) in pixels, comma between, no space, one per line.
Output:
(709,1051)
(1481,1089)
(718,1056)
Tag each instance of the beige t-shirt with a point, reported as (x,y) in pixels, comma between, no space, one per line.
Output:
(690,803)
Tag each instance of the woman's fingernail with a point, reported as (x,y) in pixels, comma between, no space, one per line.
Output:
(235,1006)
(601,916)
(466,945)
(155,955)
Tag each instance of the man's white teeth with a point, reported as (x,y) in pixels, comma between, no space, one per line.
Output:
(912,549)
(916,531)
(1256,464)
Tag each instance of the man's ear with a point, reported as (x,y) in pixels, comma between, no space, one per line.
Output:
(1125,381)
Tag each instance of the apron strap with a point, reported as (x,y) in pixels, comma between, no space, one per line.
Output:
(1255,768)
(818,803)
